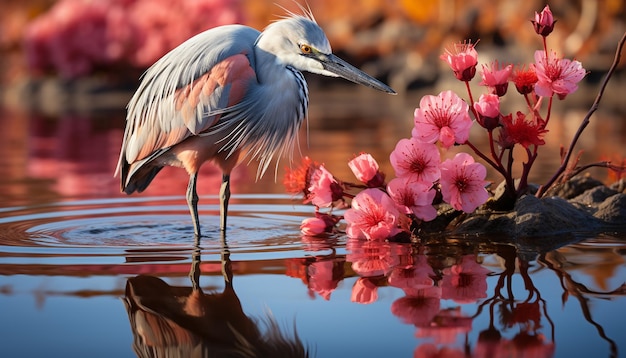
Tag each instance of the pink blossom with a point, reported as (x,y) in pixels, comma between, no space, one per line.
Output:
(366,169)
(556,75)
(373,216)
(414,197)
(465,282)
(418,161)
(324,188)
(313,226)
(488,109)
(320,224)
(371,258)
(364,291)
(495,78)
(443,117)
(544,22)
(463,182)
(462,60)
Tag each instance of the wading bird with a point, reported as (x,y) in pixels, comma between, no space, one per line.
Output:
(224,95)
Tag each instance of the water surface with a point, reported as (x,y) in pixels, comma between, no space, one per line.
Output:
(87,271)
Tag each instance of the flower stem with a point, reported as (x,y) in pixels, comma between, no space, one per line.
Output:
(523,183)
(483,156)
(471,98)
(545,123)
(510,186)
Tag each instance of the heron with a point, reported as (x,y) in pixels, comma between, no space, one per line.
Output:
(225,95)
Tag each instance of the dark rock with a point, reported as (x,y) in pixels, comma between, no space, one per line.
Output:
(551,215)
(574,187)
(619,186)
(613,211)
(587,206)
(594,195)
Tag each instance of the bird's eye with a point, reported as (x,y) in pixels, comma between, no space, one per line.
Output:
(306,49)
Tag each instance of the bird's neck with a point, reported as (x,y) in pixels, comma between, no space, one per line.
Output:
(270,68)
(279,80)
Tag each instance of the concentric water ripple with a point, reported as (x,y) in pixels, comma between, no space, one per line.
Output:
(146,228)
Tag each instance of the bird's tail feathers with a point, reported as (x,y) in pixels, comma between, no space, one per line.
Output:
(137,176)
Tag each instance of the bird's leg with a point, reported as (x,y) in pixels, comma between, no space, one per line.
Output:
(227,267)
(224,198)
(194,273)
(192,201)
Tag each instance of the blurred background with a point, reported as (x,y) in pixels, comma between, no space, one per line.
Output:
(68,68)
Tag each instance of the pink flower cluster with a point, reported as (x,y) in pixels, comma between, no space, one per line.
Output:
(77,37)
(547,76)
(385,211)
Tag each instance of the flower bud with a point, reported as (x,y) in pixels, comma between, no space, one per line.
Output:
(544,22)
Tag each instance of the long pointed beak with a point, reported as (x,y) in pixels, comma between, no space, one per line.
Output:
(343,69)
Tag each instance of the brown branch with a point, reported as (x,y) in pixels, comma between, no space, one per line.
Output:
(605,164)
(618,54)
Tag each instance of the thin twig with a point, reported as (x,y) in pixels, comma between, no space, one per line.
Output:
(605,164)
(618,54)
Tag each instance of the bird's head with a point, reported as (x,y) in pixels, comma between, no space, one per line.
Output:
(298,41)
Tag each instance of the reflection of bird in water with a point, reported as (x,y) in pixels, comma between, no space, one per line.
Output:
(228,93)
(170,321)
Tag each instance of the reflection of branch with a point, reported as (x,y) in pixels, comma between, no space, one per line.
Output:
(577,289)
(517,312)
(532,290)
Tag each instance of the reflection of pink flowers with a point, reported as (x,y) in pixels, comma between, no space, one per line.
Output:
(447,326)
(371,258)
(325,276)
(462,60)
(416,160)
(419,306)
(429,350)
(366,169)
(463,182)
(556,76)
(522,345)
(364,291)
(324,188)
(416,276)
(465,282)
(443,117)
(373,216)
(413,197)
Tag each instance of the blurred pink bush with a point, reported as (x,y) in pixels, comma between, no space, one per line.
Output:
(77,37)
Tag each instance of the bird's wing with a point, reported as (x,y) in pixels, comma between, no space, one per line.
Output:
(187,90)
